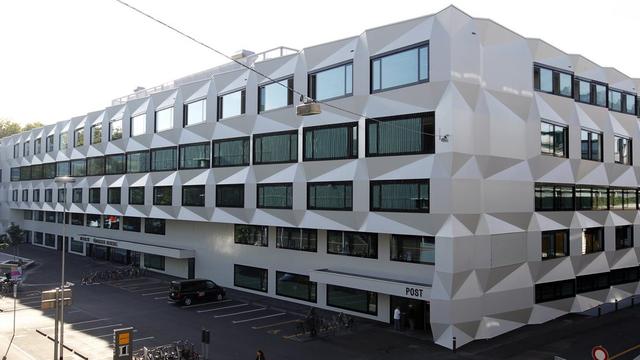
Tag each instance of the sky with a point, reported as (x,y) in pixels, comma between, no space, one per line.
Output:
(65,58)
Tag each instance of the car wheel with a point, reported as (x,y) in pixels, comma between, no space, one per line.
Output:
(219,297)
(188,301)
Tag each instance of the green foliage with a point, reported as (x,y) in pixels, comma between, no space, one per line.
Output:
(14,235)
(8,128)
(32,125)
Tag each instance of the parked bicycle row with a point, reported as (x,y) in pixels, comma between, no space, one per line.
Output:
(179,350)
(128,272)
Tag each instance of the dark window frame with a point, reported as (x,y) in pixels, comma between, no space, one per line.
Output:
(185,112)
(76,132)
(264,230)
(566,244)
(163,188)
(259,185)
(188,187)
(290,93)
(129,195)
(228,186)
(180,152)
(616,144)
(555,80)
(419,45)
(265,280)
(124,164)
(350,147)
(243,103)
(373,236)
(428,139)
(565,133)
(246,143)
(138,152)
(624,243)
(104,164)
(590,155)
(111,138)
(312,82)
(148,228)
(369,293)
(401,181)
(307,232)
(592,91)
(313,287)
(557,200)
(276,133)
(109,194)
(557,290)
(331,183)
(175,158)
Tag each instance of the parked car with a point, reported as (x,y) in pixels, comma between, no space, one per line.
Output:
(189,291)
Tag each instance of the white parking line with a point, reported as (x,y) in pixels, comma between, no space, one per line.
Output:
(77,323)
(160,297)
(222,308)
(258,318)
(101,327)
(155,293)
(206,303)
(240,313)
(151,289)
(111,334)
(276,324)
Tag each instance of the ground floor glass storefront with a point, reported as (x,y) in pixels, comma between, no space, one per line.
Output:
(352,299)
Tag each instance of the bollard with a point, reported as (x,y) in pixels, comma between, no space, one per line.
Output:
(599,311)
(454,343)
(616,305)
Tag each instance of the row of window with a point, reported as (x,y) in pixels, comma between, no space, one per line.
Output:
(403,67)
(568,197)
(385,195)
(555,243)
(112,222)
(569,288)
(564,83)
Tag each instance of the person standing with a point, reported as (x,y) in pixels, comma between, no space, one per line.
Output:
(260,355)
(396,318)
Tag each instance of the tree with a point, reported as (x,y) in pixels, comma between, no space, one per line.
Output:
(14,236)
(8,128)
(32,125)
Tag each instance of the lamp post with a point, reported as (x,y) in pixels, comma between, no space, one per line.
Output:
(62,180)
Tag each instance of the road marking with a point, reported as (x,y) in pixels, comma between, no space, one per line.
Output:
(155,293)
(625,352)
(240,313)
(206,303)
(78,323)
(258,318)
(144,338)
(160,297)
(276,324)
(101,327)
(22,351)
(222,308)
(152,289)
(111,334)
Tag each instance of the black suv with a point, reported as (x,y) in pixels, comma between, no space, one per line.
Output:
(190,291)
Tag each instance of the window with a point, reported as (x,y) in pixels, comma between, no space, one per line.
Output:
(330,196)
(154,226)
(49,143)
(95,166)
(352,244)
(27,215)
(193,195)
(297,239)
(50,240)
(136,195)
(77,219)
(78,137)
(131,223)
(39,215)
(230,195)
(25,172)
(622,199)
(401,135)
(36,172)
(164,119)
(111,222)
(96,134)
(113,195)
(36,195)
(195,156)
(251,235)
(76,246)
(400,195)
(94,195)
(50,216)
(583,93)
(78,167)
(15,174)
(231,152)
(352,299)
(16,151)
(25,195)
(413,249)
(115,129)
(555,244)
(14,195)
(76,196)
(138,161)
(138,124)
(331,83)
(401,68)
(592,198)
(550,197)
(250,277)
(63,168)
(37,146)
(273,148)
(552,81)
(556,290)
(48,195)
(630,104)
(49,170)
(26,147)
(37,238)
(63,142)
(61,217)
(592,282)
(624,275)
(622,150)
(624,237)
(295,286)
(331,142)
(275,95)
(554,139)
(232,104)
(162,195)
(154,261)
(164,159)
(592,240)
(195,112)
(93,220)
(114,164)
(591,145)
(275,196)
(62,195)
(622,102)
(590,92)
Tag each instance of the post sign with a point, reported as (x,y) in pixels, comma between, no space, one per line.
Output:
(122,341)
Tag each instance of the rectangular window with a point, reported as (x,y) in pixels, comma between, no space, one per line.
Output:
(25,195)
(131,223)
(25,172)
(590,92)
(63,168)
(399,195)
(15,174)
(401,68)
(162,195)
(154,261)
(275,196)
(622,101)
(62,195)
(193,195)
(331,83)
(76,196)
(622,199)
(624,237)
(195,156)
(49,170)
(136,195)
(401,135)
(615,100)
(164,119)
(297,239)
(36,195)
(250,277)
(275,95)
(592,240)
(76,246)
(330,196)
(413,249)
(49,143)
(50,240)
(14,195)
(251,235)
(16,151)
(554,139)
(592,282)
(94,196)
(48,195)
(195,112)
(114,164)
(230,195)
(592,198)
(555,244)
(111,222)
(115,129)
(39,215)
(624,275)
(138,124)
(138,161)
(556,290)
(352,299)
(164,159)
(63,141)
(77,219)
(231,152)
(38,238)
(591,145)
(96,134)
(331,142)
(78,167)
(630,104)
(26,147)
(296,286)
(154,226)
(50,216)
(601,95)
(349,243)
(622,150)
(78,137)
(27,215)
(113,195)
(583,91)
(232,104)
(273,148)
(95,166)
(552,81)
(93,220)
(37,146)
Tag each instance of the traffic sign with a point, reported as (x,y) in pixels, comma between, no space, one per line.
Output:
(122,341)
(599,353)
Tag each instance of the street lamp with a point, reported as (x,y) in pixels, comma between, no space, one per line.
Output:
(62,180)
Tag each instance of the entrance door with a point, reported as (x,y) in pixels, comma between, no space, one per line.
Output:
(414,313)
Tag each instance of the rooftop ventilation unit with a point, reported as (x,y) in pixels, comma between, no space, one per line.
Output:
(240,54)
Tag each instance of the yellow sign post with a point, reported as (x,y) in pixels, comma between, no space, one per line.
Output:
(122,339)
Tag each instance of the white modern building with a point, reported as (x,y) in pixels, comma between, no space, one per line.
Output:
(484,178)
